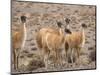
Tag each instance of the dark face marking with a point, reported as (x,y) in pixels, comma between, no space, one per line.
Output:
(59,24)
(67,20)
(84,25)
(23,19)
(68,31)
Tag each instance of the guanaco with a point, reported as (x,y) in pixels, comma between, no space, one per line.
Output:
(74,42)
(18,41)
(50,40)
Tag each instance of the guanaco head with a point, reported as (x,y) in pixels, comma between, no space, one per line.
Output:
(23,19)
(84,25)
(67,30)
(61,28)
(59,24)
(67,20)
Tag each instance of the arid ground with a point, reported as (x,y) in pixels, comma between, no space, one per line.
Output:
(41,15)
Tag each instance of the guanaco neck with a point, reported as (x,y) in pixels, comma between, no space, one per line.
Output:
(68,27)
(61,31)
(24,33)
(83,37)
(61,34)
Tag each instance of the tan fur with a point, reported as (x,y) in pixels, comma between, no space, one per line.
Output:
(42,33)
(54,43)
(75,42)
(50,40)
(17,42)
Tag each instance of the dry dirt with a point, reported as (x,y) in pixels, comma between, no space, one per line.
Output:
(30,60)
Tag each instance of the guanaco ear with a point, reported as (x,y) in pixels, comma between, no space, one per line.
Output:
(84,25)
(23,19)
(59,24)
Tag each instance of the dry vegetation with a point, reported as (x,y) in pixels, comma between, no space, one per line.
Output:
(41,15)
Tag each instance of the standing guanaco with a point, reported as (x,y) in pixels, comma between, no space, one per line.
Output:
(18,41)
(74,42)
(50,40)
